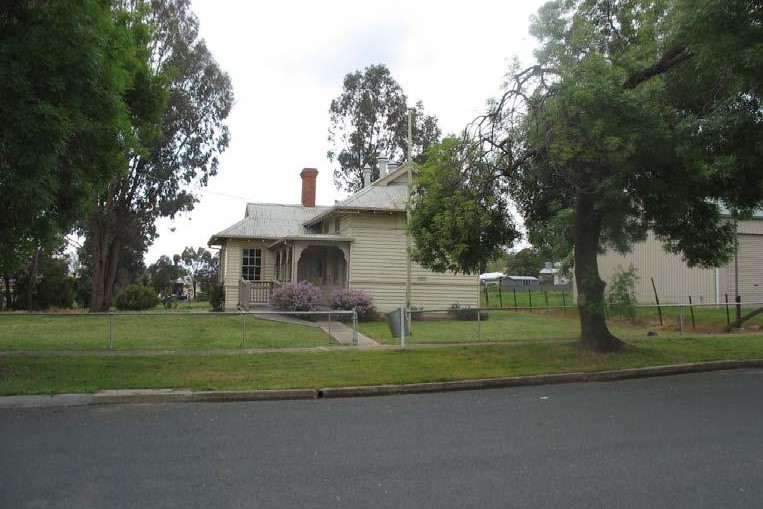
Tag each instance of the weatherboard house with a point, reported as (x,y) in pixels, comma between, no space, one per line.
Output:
(357,243)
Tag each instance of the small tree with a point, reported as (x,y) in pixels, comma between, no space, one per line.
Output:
(163,273)
(217,297)
(196,262)
(621,293)
(525,262)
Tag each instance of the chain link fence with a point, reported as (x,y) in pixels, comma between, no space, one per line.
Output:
(176,331)
(553,323)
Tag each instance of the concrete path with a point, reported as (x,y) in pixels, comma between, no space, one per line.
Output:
(338,331)
(343,334)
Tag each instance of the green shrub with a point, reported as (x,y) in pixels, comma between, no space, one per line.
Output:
(169,301)
(302,296)
(217,297)
(621,293)
(136,298)
(467,313)
(347,299)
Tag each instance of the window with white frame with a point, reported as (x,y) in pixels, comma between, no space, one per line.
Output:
(251,264)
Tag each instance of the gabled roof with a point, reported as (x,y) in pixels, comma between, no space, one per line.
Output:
(277,221)
(386,194)
(270,221)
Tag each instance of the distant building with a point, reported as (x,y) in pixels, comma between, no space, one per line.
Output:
(523,282)
(551,274)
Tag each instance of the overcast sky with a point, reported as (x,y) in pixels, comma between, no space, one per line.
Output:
(287,61)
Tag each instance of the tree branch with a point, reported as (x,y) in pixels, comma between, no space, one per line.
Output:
(669,60)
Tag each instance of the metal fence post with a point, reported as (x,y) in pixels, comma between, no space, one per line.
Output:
(354,327)
(243,329)
(111,328)
(681,319)
(479,313)
(402,326)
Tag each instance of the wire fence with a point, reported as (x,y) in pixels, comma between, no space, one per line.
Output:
(175,331)
(551,323)
(265,329)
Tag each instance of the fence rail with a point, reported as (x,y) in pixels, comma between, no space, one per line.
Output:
(177,331)
(525,323)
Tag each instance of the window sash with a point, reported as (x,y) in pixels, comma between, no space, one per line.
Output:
(251,264)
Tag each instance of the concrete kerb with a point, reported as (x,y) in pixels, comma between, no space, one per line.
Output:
(548,379)
(154,396)
(264,395)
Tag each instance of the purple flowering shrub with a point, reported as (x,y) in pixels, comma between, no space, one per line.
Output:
(349,299)
(302,296)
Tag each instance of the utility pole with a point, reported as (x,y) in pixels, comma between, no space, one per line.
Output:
(408,216)
(737,297)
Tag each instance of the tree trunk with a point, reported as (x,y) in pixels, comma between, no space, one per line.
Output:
(8,301)
(106,246)
(32,284)
(594,334)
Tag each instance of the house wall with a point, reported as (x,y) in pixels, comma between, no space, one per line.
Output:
(232,266)
(675,281)
(378,266)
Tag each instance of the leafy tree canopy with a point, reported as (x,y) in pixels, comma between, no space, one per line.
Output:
(458,227)
(163,273)
(178,110)
(65,68)
(368,120)
(525,262)
(198,264)
(637,116)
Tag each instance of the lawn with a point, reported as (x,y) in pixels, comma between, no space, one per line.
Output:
(705,317)
(181,331)
(510,326)
(500,326)
(41,374)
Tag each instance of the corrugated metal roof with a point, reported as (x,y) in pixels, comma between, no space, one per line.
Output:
(271,221)
(276,221)
(391,197)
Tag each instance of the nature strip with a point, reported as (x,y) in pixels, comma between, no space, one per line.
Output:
(160,396)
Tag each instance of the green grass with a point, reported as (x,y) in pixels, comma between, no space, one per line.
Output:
(704,317)
(150,331)
(33,374)
(500,326)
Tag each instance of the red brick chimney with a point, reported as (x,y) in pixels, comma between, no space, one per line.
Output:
(308,186)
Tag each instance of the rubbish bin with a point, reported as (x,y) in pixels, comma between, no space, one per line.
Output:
(393,322)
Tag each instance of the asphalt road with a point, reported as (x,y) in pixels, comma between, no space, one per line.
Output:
(689,441)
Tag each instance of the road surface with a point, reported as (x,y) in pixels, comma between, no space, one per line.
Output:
(691,441)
